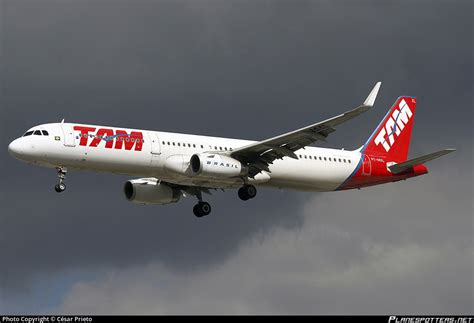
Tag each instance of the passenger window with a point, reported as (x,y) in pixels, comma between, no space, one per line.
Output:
(163,143)
(202,146)
(37,132)
(320,158)
(220,148)
(305,157)
(225,148)
(189,145)
(28,133)
(349,161)
(194,145)
(173,143)
(339,159)
(215,147)
(45,133)
(179,145)
(325,158)
(330,159)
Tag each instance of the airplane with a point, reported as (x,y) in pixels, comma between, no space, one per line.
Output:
(175,165)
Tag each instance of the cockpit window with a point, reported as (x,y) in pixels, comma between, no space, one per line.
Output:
(45,133)
(37,133)
(28,133)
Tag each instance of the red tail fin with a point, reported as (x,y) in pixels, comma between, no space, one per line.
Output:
(391,139)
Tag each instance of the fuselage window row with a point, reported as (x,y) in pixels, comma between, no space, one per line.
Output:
(172,143)
(340,160)
(332,159)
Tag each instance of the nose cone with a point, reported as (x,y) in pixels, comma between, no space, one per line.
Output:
(15,148)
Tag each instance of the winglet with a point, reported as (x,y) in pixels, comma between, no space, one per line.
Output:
(373,94)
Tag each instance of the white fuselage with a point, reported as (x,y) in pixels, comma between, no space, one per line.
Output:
(317,169)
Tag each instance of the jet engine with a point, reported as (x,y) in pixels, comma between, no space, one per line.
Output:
(150,191)
(216,166)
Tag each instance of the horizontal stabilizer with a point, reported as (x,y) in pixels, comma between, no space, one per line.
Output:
(400,167)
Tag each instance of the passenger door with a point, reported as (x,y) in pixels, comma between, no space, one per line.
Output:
(68,133)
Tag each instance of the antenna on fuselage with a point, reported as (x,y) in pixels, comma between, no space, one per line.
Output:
(62,121)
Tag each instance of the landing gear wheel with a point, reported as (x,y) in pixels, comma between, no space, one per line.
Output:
(242,194)
(250,191)
(202,209)
(247,192)
(196,211)
(61,187)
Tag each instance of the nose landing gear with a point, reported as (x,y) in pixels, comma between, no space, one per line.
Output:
(61,187)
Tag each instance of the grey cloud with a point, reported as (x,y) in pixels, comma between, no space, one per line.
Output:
(236,69)
(344,259)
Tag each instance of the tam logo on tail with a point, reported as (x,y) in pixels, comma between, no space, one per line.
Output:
(391,138)
(394,125)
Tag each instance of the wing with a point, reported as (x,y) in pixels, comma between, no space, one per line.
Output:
(260,155)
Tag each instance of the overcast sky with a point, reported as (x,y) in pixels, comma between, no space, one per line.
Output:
(242,69)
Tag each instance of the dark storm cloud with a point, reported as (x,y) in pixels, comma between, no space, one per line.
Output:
(323,267)
(236,69)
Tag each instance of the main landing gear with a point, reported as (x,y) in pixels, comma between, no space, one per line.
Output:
(247,192)
(202,208)
(61,187)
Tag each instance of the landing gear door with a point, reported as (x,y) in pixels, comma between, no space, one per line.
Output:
(69,137)
(155,143)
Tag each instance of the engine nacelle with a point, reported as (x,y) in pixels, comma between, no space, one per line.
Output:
(217,166)
(150,191)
